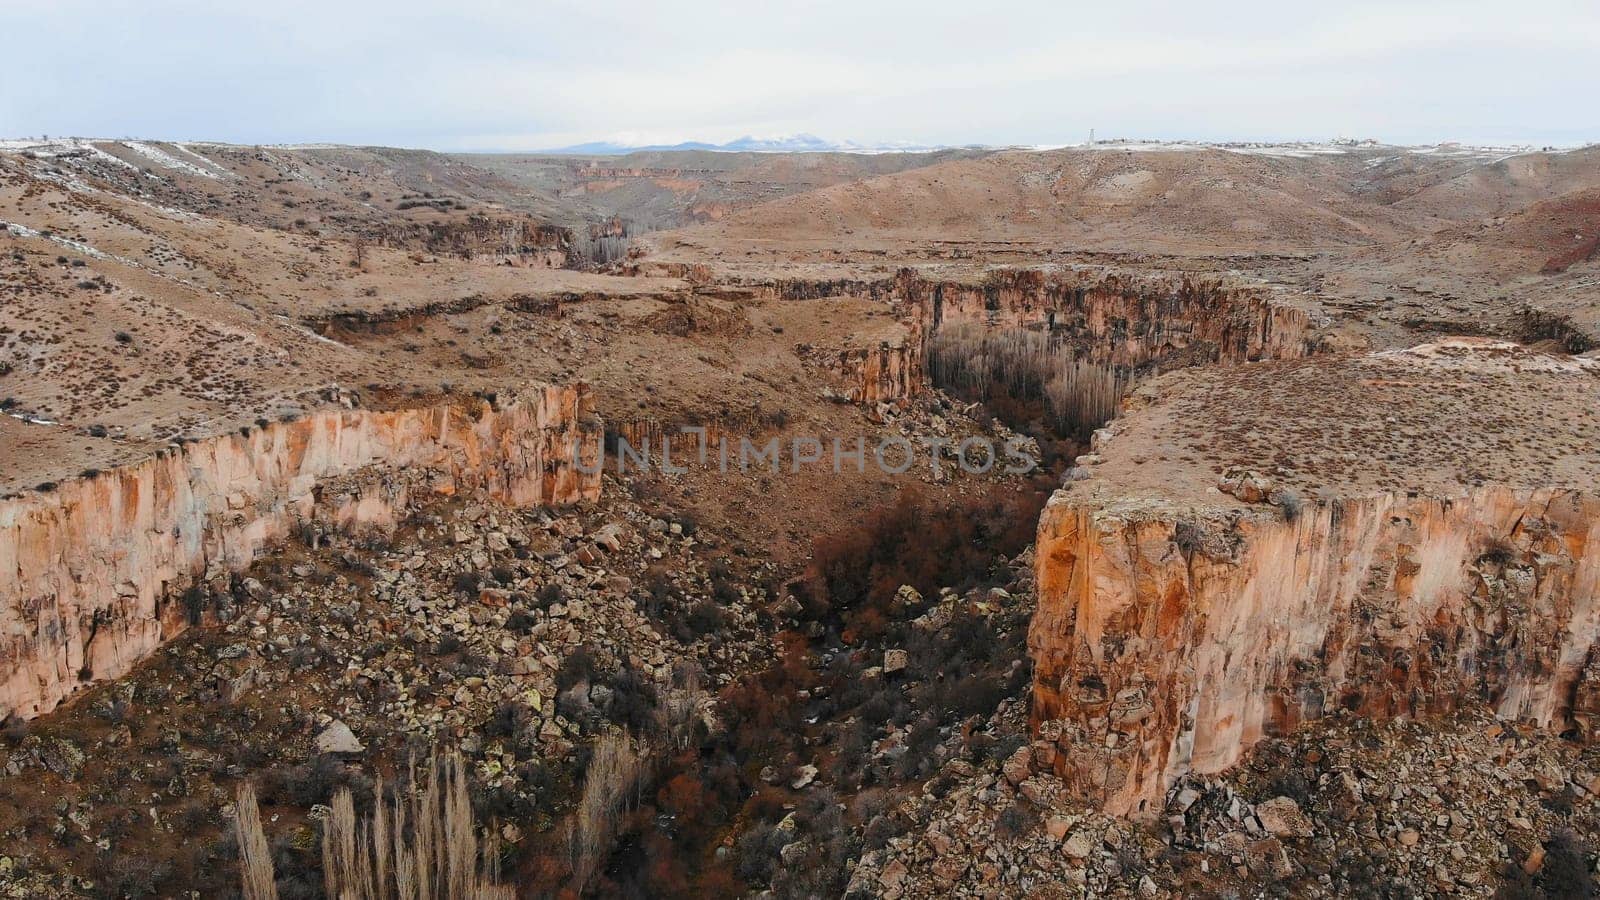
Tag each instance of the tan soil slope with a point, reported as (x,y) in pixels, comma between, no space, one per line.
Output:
(1201,200)
(1436,420)
(128,320)
(1502,186)
(667,189)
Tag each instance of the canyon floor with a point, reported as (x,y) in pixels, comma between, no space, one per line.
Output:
(1301,598)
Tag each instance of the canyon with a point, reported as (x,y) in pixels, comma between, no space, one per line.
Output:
(306,437)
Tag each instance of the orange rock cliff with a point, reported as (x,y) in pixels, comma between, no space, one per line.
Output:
(95,569)
(1389,573)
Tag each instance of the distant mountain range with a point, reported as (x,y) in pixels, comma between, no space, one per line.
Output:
(794,143)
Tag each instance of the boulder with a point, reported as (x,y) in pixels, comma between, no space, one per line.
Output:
(1282,817)
(337,738)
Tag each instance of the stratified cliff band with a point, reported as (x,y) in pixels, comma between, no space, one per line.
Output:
(95,569)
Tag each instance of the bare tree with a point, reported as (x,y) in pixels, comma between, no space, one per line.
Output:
(1080,394)
(421,847)
(255,857)
(614,770)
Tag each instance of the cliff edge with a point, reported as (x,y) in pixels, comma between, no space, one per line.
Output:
(1395,534)
(94,568)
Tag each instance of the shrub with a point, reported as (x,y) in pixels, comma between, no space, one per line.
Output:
(1289,503)
(550,594)
(579,665)
(467,584)
(705,617)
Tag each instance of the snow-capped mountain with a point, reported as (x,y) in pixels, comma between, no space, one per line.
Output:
(793,143)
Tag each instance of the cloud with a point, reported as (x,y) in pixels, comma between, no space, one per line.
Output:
(486,73)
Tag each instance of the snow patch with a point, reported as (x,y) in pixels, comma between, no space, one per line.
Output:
(26,232)
(103,156)
(166,160)
(204,161)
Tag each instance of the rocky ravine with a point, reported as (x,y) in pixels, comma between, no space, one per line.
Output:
(95,567)
(1178,626)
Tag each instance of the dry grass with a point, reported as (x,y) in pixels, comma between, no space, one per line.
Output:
(424,847)
(1079,395)
(258,881)
(614,771)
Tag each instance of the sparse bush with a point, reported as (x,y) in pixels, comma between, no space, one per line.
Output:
(1189,537)
(520,621)
(579,665)
(14,729)
(467,584)
(705,617)
(550,594)
(1500,552)
(1288,503)
(307,784)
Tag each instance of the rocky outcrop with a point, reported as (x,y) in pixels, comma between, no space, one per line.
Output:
(1169,641)
(508,237)
(1125,320)
(90,573)
(888,373)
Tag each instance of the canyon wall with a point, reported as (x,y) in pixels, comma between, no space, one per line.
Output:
(1123,320)
(508,237)
(90,573)
(888,373)
(1169,641)
(1126,320)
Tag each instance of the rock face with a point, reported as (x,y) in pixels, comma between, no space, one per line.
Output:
(1121,320)
(1126,320)
(887,373)
(1166,644)
(90,573)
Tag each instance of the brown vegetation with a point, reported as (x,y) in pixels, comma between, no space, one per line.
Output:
(614,770)
(255,857)
(1012,367)
(417,848)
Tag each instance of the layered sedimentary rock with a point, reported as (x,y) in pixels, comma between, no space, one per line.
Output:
(508,237)
(1163,645)
(1124,320)
(91,572)
(1184,615)
(888,373)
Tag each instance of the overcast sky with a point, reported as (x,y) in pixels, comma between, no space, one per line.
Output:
(501,74)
